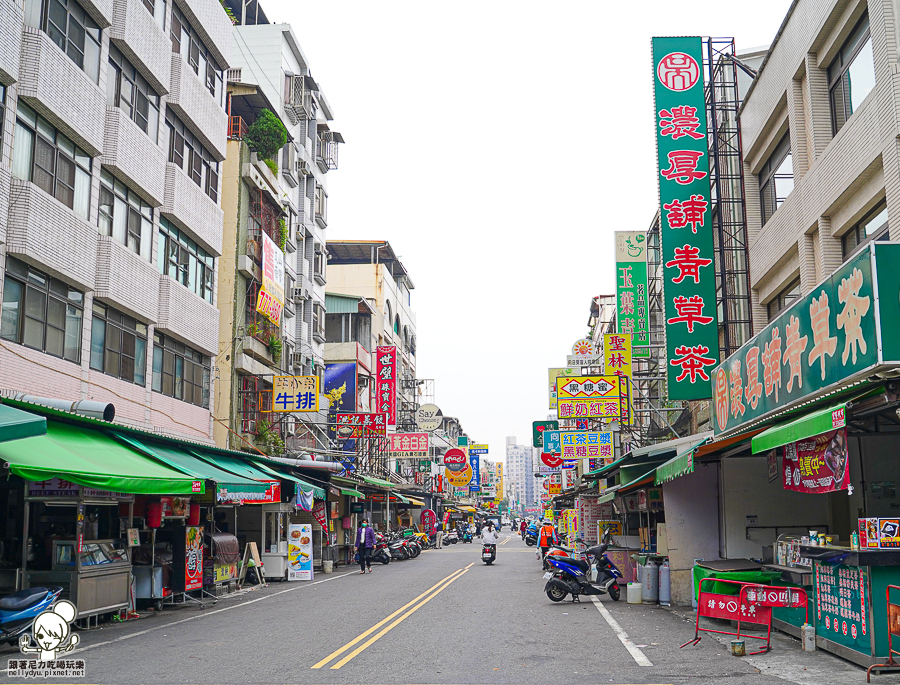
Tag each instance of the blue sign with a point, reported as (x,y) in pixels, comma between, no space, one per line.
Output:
(475,463)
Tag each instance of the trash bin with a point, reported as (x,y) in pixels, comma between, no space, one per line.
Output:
(327,566)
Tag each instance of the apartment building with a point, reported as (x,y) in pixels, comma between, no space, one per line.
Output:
(520,473)
(286,198)
(113,130)
(370,270)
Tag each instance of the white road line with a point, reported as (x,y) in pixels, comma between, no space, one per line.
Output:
(636,653)
(203,615)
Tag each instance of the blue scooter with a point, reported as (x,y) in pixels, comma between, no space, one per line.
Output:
(570,576)
(18,611)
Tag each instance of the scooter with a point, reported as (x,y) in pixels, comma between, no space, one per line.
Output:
(570,576)
(488,553)
(451,538)
(18,611)
(467,536)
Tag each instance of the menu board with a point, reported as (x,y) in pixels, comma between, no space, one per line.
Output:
(193,557)
(842,614)
(876,533)
(589,512)
(300,561)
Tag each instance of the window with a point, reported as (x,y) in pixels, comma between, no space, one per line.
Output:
(44,156)
(129,91)
(397,325)
(187,42)
(784,299)
(852,75)
(319,264)
(158,9)
(67,24)
(776,179)
(2,109)
(118,344)
(179,371)
(873,226)
(41,312)
(124,216)
(321,205)
(181,258)
(390,313)
(188,153)
(319,320)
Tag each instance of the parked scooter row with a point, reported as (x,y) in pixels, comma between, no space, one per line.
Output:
(396,547)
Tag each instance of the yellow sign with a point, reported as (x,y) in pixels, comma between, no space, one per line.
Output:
(614,527)
(548,515)
(499,496)
(558,373)
(617,354)
(295,393)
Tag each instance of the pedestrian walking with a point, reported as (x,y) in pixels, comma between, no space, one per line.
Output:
(365,543)
(438,534)
(547,538)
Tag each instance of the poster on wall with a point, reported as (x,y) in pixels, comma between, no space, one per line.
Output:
(300,553)
(193,558)
(818,464)
(340,386)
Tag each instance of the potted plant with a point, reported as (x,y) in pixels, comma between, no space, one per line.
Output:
(266,136)
(275,348)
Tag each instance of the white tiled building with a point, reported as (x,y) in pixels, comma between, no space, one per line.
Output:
(113,129)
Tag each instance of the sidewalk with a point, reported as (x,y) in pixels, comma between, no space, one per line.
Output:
(789,662)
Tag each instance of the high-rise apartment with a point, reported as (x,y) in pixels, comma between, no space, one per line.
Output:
(113,129)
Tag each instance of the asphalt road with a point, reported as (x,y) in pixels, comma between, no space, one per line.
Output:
(442,618)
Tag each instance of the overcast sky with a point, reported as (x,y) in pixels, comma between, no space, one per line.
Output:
(497,145)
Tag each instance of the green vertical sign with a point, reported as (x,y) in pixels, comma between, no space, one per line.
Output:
(631,289)
(689,288)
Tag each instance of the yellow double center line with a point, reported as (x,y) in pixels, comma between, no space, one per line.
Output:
(429,594)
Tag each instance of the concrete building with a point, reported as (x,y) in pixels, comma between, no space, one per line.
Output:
(520,470)
(270,71)
(113,132)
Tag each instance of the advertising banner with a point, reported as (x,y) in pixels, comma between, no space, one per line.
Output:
(578,444)
(617,354)
(584,354)
(538,428)
(386,382)
(475,463)
(818,464)
(499,496)
(592,397)
(356,424)
(340,386)
(406,445)
(295,393)
(193,558)
(632,316)
(457,469)
(320,513)
(554,374)
(692,342)
(270,301)
(300,559)
(478,449)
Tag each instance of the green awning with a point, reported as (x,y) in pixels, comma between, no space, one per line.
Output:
(350,492)
(609,495)
(193,466)
(306,486)
(94,459)
(603,469)
(400,497)
(239,467)
(677,466)
(814,423)
(377,481)
(16,424)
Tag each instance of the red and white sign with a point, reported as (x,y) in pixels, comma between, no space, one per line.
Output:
(551,460)
(320,515)
(429,519)
(386,382)
(355,424)
(455,456)
(409,444)
(678,72)
(818,464)
(193,557)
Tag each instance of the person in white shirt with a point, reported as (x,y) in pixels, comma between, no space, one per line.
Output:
(489,536)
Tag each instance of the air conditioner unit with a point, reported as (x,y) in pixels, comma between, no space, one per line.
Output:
(300,294)
(302,167)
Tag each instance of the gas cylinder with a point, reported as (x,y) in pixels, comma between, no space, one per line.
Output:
(650,583)
(665,589)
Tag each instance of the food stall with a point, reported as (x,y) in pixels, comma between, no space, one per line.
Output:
(275,520)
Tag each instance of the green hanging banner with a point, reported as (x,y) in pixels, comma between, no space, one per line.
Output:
(692,341)
(631,290)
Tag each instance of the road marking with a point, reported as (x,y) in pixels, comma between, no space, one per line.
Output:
(381,623)
(400,620)
(203,615)
(636,653)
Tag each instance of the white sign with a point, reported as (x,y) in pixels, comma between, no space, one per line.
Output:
(576,362)
(429,417)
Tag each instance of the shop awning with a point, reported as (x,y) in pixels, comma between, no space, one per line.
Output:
(94,459)
(377,481)
(415,501)
(398,496)
(193,466)
(16,424)
(471,510)
(238,467)
(646,479)
(814,423)
(609,495)
(350,492)
(306,486)
(677,466)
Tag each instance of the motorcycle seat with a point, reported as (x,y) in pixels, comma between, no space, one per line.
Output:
(23,599)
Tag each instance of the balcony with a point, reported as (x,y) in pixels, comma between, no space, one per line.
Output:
(257,349)
(45,232)
(237,128)
(10,40)
(196,107)
(135,32)
(126,281)
(132,156)
(192,209)
(79,108)
(187,316)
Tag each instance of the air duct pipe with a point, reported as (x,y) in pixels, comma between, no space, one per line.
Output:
(332,466)
(105,411)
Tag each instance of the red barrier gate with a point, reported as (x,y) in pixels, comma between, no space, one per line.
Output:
(893,617)
(752,604)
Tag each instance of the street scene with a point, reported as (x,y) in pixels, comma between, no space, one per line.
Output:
(651,432)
